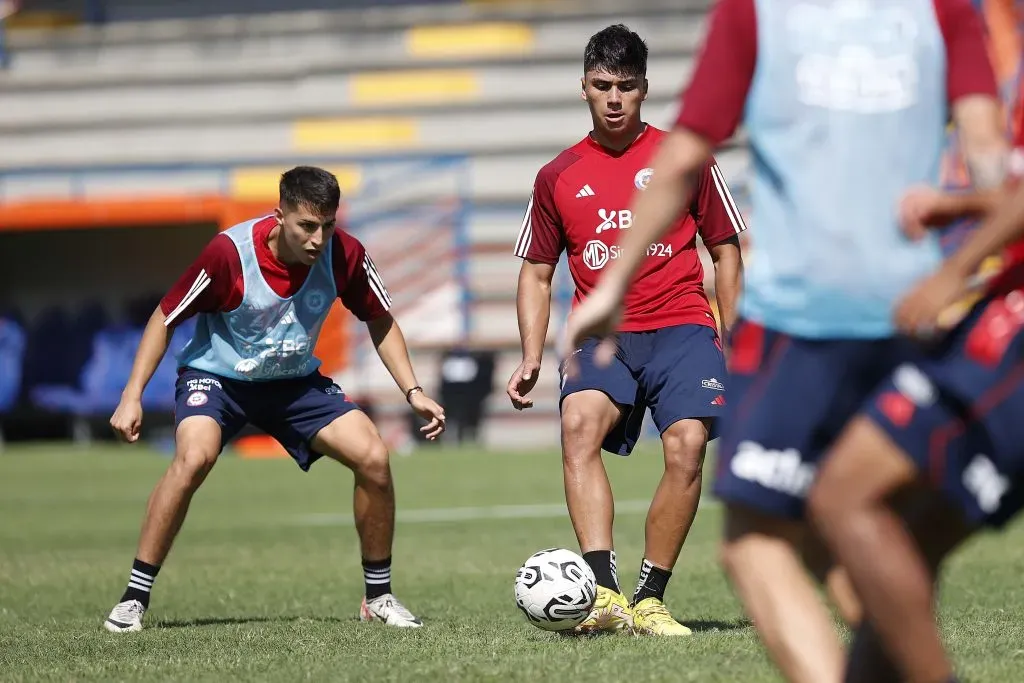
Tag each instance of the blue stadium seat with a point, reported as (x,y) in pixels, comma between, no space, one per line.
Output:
(105,374)
(12,354)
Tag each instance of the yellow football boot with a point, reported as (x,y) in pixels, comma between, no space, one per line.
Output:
(610,613)
(652,618)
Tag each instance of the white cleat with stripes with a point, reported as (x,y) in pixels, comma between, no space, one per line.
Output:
(126,617)
(388,610)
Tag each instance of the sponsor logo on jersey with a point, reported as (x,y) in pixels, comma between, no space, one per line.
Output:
(610,220)
(985,483)
(595,254)
(712,384)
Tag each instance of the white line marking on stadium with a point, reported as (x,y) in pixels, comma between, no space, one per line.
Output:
(477,514)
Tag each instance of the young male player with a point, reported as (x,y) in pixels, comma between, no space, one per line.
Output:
(669,357)
(845,103)
(262,291)
(944,430)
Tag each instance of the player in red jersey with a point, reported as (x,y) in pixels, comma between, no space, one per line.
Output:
(262,291)
(669,355)
(942,432)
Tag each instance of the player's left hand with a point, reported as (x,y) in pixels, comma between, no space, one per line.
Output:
(598,316)
(919,311)
(431,410)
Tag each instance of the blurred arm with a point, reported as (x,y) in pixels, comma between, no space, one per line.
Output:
(155,340)
(985,150)
(728,281)
(676,166)
(1004,226)
(533,307)
(391,347)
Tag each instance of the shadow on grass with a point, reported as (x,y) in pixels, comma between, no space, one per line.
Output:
(712,625)
(235,621)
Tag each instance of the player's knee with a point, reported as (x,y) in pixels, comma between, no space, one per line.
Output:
(581,433)
(375,466)
(192,464)
(684,444)
(729,557)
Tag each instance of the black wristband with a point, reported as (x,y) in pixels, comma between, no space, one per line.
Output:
(410,392)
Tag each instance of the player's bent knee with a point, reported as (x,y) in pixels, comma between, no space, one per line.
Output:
(582,430)
(684,444)
(374,466)
(192,464)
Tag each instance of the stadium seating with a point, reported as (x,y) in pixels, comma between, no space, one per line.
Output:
(12,353)
(220,105)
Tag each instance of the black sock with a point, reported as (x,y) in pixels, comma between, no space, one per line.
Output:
(602,563)
(652,582)
(140,582)
(377,575)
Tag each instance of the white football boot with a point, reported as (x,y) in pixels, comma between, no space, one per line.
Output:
(125,617)
(389,610)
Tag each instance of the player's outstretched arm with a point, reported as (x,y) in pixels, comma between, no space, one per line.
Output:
(676,168)
(127,418)
(533,308)
(394,353)
(728,261)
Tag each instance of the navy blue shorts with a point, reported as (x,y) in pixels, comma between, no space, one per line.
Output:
(957,410)
(292,411)
(789,398)
(678,372)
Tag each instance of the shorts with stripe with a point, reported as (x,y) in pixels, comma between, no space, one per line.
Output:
(789,398)
(957,410)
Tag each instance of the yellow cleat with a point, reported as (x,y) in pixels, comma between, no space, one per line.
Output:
(611,613)
(652,618)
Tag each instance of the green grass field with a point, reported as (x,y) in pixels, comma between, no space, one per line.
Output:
(264,582)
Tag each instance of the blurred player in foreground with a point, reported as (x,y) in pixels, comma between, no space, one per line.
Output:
(262,291)
(669,357)
(944,432)
(845,103)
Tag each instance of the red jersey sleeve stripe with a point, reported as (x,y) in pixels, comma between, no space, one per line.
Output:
(726,196)
(525,232)
(376,283)
(201,282)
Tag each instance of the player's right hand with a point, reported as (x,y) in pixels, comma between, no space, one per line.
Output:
(522,382)
(127,420)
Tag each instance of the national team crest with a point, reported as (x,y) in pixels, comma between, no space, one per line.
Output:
(643,178)
(315,301)
(196,399)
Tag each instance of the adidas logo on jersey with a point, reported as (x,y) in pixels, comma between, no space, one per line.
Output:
(587,191)
(289,318)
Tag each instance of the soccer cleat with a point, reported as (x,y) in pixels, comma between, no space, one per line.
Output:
(610,613)
(125,617)
(652,618)
(389,610)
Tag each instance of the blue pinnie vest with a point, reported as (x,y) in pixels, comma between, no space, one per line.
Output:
(847,109)
(267,337)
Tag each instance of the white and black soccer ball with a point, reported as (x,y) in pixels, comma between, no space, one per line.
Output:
(555,589)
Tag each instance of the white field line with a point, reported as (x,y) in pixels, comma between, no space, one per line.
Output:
(477,514)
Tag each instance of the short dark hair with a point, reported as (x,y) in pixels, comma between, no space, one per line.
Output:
(618,51)
(311,188)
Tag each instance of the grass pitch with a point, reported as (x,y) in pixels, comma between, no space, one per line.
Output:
(265,581)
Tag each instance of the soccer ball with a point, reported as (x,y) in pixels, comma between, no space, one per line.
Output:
(555,589)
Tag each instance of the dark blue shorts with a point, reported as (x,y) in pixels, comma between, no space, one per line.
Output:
(292,411)
(789,398)
(678,372)
(957,410)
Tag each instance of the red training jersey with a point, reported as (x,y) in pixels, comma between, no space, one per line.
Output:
(580,204)
(1012,276)
(214,283)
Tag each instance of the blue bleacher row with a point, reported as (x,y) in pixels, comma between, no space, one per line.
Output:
(78,364)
